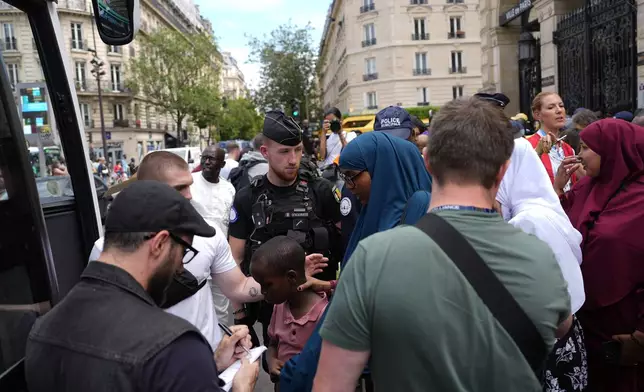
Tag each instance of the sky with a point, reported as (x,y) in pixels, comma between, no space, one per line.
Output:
(233,20)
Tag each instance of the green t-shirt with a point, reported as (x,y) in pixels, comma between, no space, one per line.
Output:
(401,298)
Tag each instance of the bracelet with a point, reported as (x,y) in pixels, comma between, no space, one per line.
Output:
(238,311)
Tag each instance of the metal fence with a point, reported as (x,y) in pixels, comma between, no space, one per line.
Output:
(597,56)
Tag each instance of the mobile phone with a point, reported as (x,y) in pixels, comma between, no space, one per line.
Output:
(612,351)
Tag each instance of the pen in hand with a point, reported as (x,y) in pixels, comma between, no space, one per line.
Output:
(228,332)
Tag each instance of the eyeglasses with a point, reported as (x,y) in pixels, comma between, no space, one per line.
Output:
(349,180)
(189,253)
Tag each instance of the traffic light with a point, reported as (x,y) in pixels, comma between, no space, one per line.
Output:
(295,110)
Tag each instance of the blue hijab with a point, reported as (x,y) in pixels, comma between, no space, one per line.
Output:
(397,171)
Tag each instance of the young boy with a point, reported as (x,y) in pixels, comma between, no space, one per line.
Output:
(278,266)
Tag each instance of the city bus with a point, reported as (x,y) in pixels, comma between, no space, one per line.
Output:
(48,224)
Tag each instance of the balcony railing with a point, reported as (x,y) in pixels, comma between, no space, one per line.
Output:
(419,37)
(368,42)
(81,85)
(79,44)
(367,8)
(119,87)
(422,71)
(456,34)
(371,76)
(122,123)
(10,43)
(460,70)
(417,2)
(455,1)
(149,124)
(422,104)
(372,107)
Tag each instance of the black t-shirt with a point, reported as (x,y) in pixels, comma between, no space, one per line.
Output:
(186,364)
(324,193)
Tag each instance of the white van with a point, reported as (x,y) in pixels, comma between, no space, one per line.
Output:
(192,155)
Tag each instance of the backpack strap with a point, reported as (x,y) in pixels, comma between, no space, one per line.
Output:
(489,288)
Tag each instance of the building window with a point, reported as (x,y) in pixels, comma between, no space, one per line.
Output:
(455,30)
(113,49)
(370,69)
(421,64)
(423,96)
(81,80)
(457,91)
(77,36)
(118,111)
(367,5)
(457,63)
(10,41)
(12,70)
(86,113)
(115,71)
(369,35)
(371,100)
(419,30)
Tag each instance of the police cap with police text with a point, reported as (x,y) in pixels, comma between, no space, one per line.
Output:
(282,129)
(395,121)
(152,206)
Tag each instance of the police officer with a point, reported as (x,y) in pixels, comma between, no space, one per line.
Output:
(284,201)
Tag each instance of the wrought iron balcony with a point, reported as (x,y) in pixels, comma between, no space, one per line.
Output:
(417,2)
(372,107)
(368,42)
(367,8)
(455,1)
(419,37)
(422,103)
(79,44)
(456,34)
(371,76)
(460,70)
(121,123)
(422,71)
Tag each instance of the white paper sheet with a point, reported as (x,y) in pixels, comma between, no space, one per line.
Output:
(228,374)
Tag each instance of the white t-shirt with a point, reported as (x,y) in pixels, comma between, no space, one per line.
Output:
(213,201)
(334,146)
(230,165)
(214,257)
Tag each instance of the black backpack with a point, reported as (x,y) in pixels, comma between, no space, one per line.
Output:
(308,169)
(239,175)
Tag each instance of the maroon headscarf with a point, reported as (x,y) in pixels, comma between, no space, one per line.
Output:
(608,210)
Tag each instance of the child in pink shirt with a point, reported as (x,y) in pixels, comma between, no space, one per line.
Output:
(278,266)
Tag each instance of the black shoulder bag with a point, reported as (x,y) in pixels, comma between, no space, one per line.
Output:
(490,289)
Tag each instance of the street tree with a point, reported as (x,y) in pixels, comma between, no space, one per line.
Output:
(177,73)
(238,120)
(287,58)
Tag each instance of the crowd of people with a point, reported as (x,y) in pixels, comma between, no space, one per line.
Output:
(471,255)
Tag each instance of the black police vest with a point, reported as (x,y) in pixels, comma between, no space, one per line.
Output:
(292,215)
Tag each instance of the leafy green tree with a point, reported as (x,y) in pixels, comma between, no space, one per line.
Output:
(178,73)
(288,61)
(238,120)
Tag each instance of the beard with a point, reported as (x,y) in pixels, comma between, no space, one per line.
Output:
(160,281)
(286,176)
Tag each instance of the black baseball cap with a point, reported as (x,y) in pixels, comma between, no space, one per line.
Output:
(282,129)
(395,121)
(152,206)
(498,99)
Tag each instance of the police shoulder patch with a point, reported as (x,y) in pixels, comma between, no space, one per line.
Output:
(345,206)
(233,215)
(337,194)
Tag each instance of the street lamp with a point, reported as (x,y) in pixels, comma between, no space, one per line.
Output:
(97,71)
(527,46)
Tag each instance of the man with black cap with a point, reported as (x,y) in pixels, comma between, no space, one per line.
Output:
(283,202)
(108,333)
